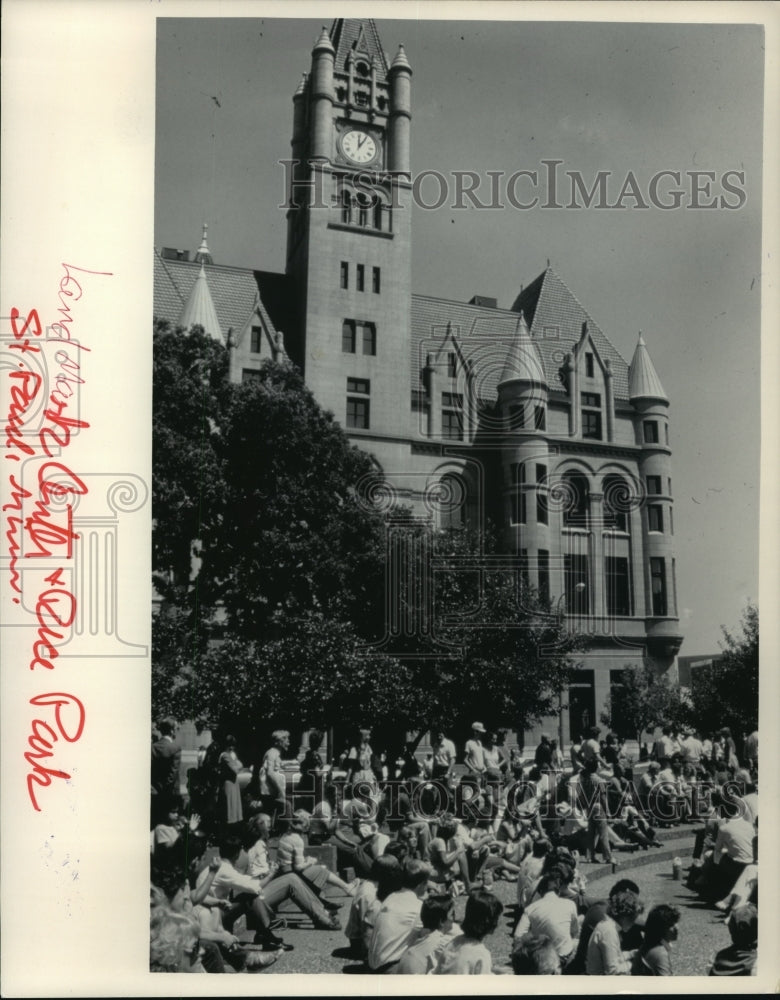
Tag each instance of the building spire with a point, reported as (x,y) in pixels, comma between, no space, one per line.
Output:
(523,363)
(199,309)
(643,380)
(203,254)
(360,37)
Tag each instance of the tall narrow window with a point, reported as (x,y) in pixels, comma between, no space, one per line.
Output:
(617,499)
(348,336)
(541,494)
(344,271)
(516,416)
(589,365)
(575,573)
(346,207)
(654,485)
(666,432)
(452,416)
(617,579)
(360,277)
(452,367)
(452,504)
(544,574)
(358,403)
(540,418)
(369,338)
(651,431)
(655,517)
(658,586)
(591,415)
(254,345)
(524,568)
(576,500)
(674,584)
(376,279)
(517,496)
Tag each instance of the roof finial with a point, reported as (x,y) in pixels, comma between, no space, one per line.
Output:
(548,262)
(203,254)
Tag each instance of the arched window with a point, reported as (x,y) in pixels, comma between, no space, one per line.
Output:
(364,209)
(576,500)
(617,502)
(452,502)
(346,207)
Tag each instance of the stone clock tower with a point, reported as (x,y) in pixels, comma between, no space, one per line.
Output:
(349,234)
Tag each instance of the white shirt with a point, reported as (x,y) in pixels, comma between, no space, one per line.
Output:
(555,917)
(394,926)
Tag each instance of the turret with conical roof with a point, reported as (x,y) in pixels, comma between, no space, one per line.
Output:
(199,308)
(522,407)
(643,380)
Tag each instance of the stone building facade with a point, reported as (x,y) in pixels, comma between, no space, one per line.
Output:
(527,417)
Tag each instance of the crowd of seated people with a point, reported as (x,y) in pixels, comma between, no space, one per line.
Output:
(414,839)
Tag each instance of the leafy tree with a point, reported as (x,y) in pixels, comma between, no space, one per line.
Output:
(190,394)
(295,536)
(644,700)
(515,652)
(726,694)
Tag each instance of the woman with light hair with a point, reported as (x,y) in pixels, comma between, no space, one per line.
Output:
(273,783)
(291,857)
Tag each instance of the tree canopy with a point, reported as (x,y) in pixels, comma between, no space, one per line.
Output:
(726,694)
(644,700)
(272,565)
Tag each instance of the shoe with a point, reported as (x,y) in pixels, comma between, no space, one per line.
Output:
(257,960)
(329,905)
(334,924)
(270,942)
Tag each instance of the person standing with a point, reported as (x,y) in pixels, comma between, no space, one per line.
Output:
(166,761)
(273,783)
(444,757)
(543,753)
(591,793)
(231,811)
(474,755)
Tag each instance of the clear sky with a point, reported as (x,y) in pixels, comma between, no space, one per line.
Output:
(503,96)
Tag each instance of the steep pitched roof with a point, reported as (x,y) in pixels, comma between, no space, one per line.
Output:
(234,292)
(486,335)
(555,318)
(358,35)
(644,382)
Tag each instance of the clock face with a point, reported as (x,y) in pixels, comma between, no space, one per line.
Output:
(358,146)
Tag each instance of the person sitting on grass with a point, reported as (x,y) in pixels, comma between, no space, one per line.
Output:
(257,898)
(466,955)
(535,955)
(291,857)
(653,956)
(552,916)
(399,918)
(363,899)
(739,959)
(387,872)
(605,956)
(437,916)
(594,914)
(447,854)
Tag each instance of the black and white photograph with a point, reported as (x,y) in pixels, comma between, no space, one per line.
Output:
(388,497)
(455,482)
